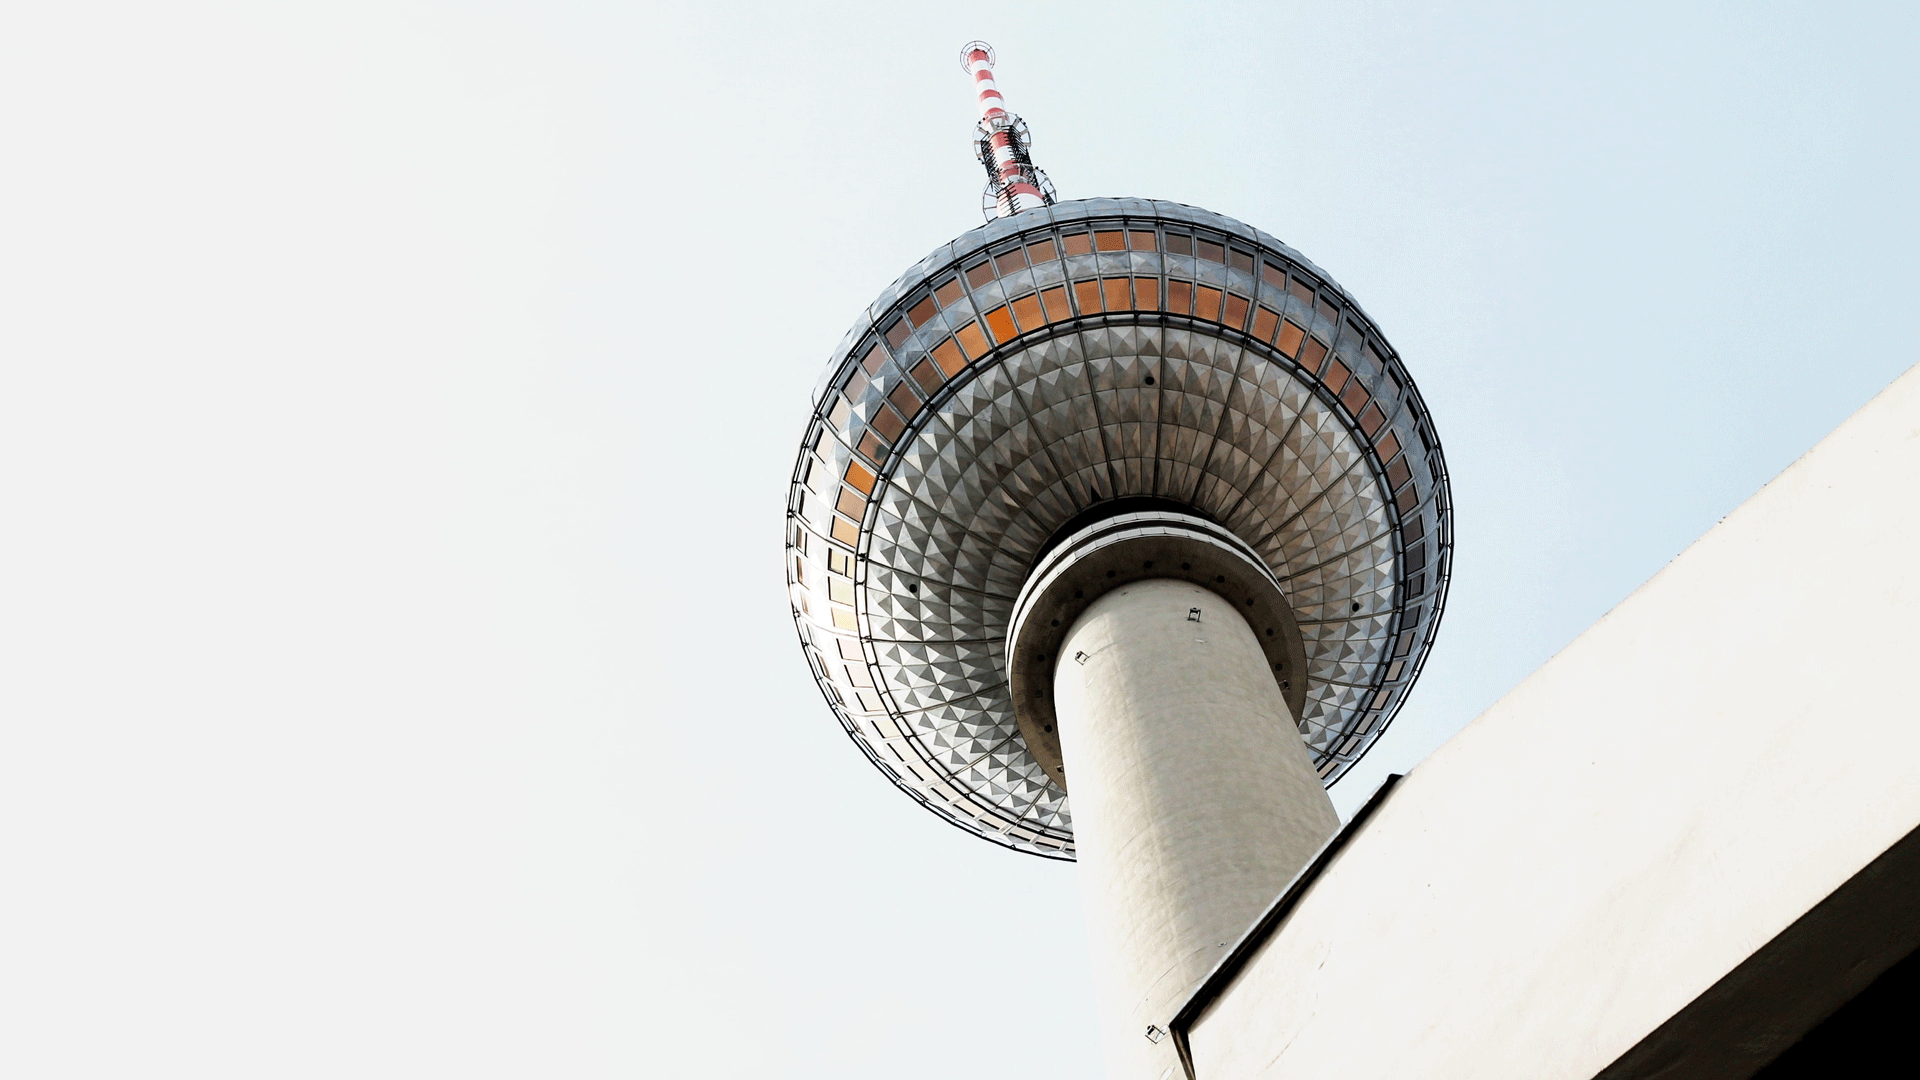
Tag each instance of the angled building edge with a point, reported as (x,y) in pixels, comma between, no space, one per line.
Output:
(1668,853)
(1800,978)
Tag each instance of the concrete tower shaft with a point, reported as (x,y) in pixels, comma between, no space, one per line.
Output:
(1153,652)
(1194,805)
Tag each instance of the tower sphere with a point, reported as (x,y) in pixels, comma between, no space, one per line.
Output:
(1072,374)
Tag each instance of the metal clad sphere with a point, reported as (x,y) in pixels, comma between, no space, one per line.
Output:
(1048,363)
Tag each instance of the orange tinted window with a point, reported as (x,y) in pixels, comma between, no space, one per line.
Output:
(1371,420)
(949,293)
(1078,243)
(979,274)
(1313,354)
(851,504)
(1389,446)
(1273,275)
(1336,379)
(847,533)
(1027,311)
(1117,297)
(1241,261)
(888,424)
(877,356)
(1011,261)
(1056,301)
(1179,244)
(1110,241)
(860,476)
(1180,296)
(1356,397)
(1206,302)
(1236,311)
(1290,337)
(1301,292)
(904,400)
(1210,251)
(1146,293)
(1042,251)
(1087,293)
(948,356)
(1139,240)
(1001,323)
(897,333)
(871,447)
(972,340)
(1264,322)
(921,312)
(1398,473)
(856,382)
(924,374)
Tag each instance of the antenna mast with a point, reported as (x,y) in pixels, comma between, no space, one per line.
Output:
(1004,144)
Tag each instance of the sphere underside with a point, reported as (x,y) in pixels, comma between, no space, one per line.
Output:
(1047,364)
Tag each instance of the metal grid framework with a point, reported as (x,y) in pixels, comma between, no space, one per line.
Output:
(1062,357)
(1008,136)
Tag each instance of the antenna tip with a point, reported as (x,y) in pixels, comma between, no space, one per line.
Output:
(970,50)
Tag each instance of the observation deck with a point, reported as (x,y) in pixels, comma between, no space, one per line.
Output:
(1075,361)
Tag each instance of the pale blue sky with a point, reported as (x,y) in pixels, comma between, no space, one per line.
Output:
(396,403)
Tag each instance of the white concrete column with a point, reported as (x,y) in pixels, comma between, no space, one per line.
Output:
(1194,800)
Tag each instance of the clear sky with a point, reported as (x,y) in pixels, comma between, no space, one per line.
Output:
(397,402)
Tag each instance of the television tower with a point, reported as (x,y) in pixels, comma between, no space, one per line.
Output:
(1122,498)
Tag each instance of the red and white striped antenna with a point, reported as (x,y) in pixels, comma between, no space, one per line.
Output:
(1003,143)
